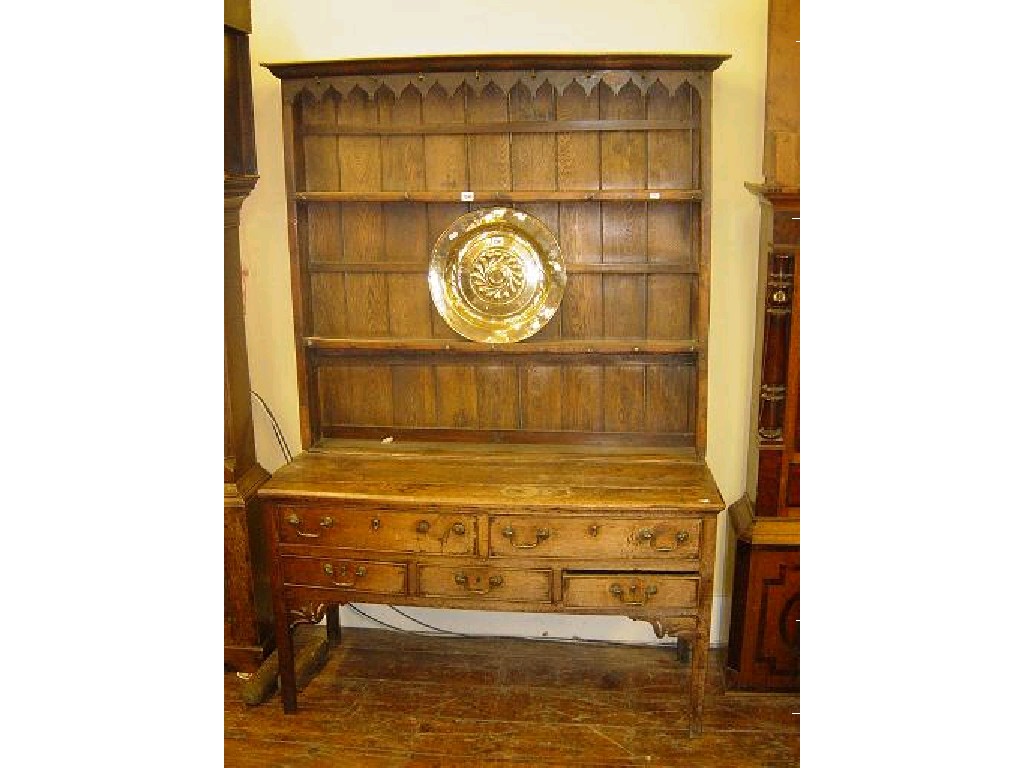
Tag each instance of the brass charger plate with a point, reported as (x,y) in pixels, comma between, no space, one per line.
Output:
(496,275)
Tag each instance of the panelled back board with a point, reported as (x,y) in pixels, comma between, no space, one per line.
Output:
(612,161)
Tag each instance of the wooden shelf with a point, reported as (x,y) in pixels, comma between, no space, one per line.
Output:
(515,126)
(504,196)
(573,347)
(587,268)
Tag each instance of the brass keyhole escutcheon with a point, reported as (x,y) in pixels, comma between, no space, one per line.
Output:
(594,530)
(375,524)
(459,529)
(422,526)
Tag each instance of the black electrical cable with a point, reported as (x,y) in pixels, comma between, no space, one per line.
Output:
(278,433)
(447,633)
(424,624)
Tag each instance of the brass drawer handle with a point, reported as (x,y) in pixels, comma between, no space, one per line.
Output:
(293,519)
(648,535)
(329,571)
(510,534)
(635,597)
(494,582)
(459,528)
(422,526)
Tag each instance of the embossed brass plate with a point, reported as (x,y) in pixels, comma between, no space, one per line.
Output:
(496,275)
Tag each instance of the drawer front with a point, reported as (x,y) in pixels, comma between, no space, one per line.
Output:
(595,537)
(483,582)
(615,590)
(354,575)
(421,532)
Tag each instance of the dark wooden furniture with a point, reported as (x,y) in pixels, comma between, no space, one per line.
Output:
(764,631)
(248,623)
(561,473)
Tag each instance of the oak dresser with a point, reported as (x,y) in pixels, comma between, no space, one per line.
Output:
(561,473)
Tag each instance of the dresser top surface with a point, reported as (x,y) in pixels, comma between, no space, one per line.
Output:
(509,476)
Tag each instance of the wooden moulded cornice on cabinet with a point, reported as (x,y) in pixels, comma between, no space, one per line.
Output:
(563,473)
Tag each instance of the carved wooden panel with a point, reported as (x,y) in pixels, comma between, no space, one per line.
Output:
(764,637)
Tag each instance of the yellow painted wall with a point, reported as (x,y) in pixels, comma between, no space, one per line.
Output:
(286,30)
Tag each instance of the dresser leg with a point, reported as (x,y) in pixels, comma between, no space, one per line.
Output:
(334,625)
(286,667)
(698,678)
(684,649)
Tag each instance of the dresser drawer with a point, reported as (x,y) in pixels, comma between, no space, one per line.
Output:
(604,537)
(355,575)
(484,582)
(614,590)
(381,531)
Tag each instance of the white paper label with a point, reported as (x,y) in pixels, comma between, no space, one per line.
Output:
(655,195)
(467,197)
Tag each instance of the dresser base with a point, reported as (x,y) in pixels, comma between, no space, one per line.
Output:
(586,532)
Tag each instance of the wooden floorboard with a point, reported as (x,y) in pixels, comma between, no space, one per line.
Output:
(391,699)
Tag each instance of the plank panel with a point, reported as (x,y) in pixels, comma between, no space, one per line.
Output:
(327,293)
(668,306)
(356,395)
(579,154)
(415,399)
(405,233)
(579,233)
(669,238)
(366,300)
(324,232)
(624,398)
(623,154)
(490,165)
(456,396)
(666,398)
(403,159)
(624,313)
(497,397)
(668,152)
(320,153)
(361,228)
(582,398)
(542,397)
(409,306)
(624,232)
(359,157)
(445,157)
(582,307)
(534,155)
